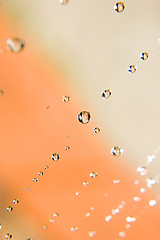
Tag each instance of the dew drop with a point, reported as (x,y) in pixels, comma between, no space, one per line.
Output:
(40,173)
(1,92)
(93,174)
(67,148)
(35,180)
(136,182)
(116,181)
(142,190)
(27,189)
(92,233)
(85,183)
(108,218)
(106,94)
(142,170)
(74,229)
(152,203)
(45,226)
(46,167)
(144,56)
(15,45)
(84,117)
(8,236)
(9,209)
(51,220)
(56,215)
(119,7)
(115,211)
(64,2)
(96,130)
(132,68)
(136,199)
(87,214)
(117,151)
(66,98)
(127,226)
(16,201)
(77,193)
(130,219)
(92,208)
(55,157)
(122,234)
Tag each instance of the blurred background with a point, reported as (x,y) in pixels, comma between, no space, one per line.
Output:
(79,49)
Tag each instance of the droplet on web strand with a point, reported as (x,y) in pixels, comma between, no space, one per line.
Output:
(150,182)
(97,130)
(46,167)
(108,218)
(55,157)
(142,190)
(116,181)
(84,117)
(92,233)
(119,7)
(40,173)
(67,148)
(64,2)
(142,170)
(117,151)
(16,201)
(106,94)
(136,199)
(9,209)
(74,229)
(144,56)
(8,236)
(122,234)
(130,219)
(56,215)
(51,220)
(85,183)
(93,174)
(152,203)
(35,180)
(45,226)
(66,98)
(15,45)
(87,214)
(132,68)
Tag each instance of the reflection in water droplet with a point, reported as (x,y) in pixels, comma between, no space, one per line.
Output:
(152,203)
(16,201)
(40,173)
(9,209)
(67,148)
(64,2)
(74,229)
(142,170)
(15,45)
(144,56)
(46,167)
(55,156)
(92,233)
(119,7)
(108,218)
(97,130)
(106,94)
(84,117)
(136,199)
(66,98)
(8,236)
(85,183)
(93,174)
(132,68)
(1,92)
(117,151)
(56,215)
(130,219)
(35,180)
(122,234)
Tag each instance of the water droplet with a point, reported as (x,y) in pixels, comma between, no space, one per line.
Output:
(150,158)
(56,215)
(119,7)
(46,167)
(35,180)
(15,45)
(85,183)
(77,193)
(142,170)
(45,226)
(142,190)
(67,148)
(150,182)
(152,203)
(40,173)
(116,181)
(127,226)
(144,56)
(92,233)
(51,220)
(93,174)
(9,209)
(74,229)
(115,211)
(92,208)
(66,98)
(106,94)
(16,201)
(27,189)
(108,218)
(117,151)
(87,214)
(136,199)
(136,182)
(55,156)
(132,68)
(96,130)
(64,2)
(1,92)
(8,236)
(130,219)
(84,117)
(122,234)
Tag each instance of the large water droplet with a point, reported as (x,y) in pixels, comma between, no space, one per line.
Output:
(117,151)
(93,174)
(8,236)
(16,201)
(119,7)
(55,156)
(15,45)
(132,68)
(106,94)
(144,56)
(9,209)
(84,117)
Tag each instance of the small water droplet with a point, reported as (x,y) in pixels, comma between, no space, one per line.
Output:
(136,182)
(51,220)
(66,98)
(9,209)
(27,189)
(152,203)
(77,193)
(16,201)
(136,199)
(46,167)
(142,190)
(92,233)
(45,226)
(40,173)
(144,56)
(1,92)
(127,226)
(67,148)
(55,157)
(130,219)
(106,94)
(92,208)
(93,174)
(116,181)
(122,234)
(96,130)
(87,214)
(84,117)
(15,45)
(35,180)
(132,68)
(150,182)
(8,236)
(119,7)
(142,170)
(108,218)
(85,183)
(64,2)
(56,215)
(117,151)
(74,229)
(115,211)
